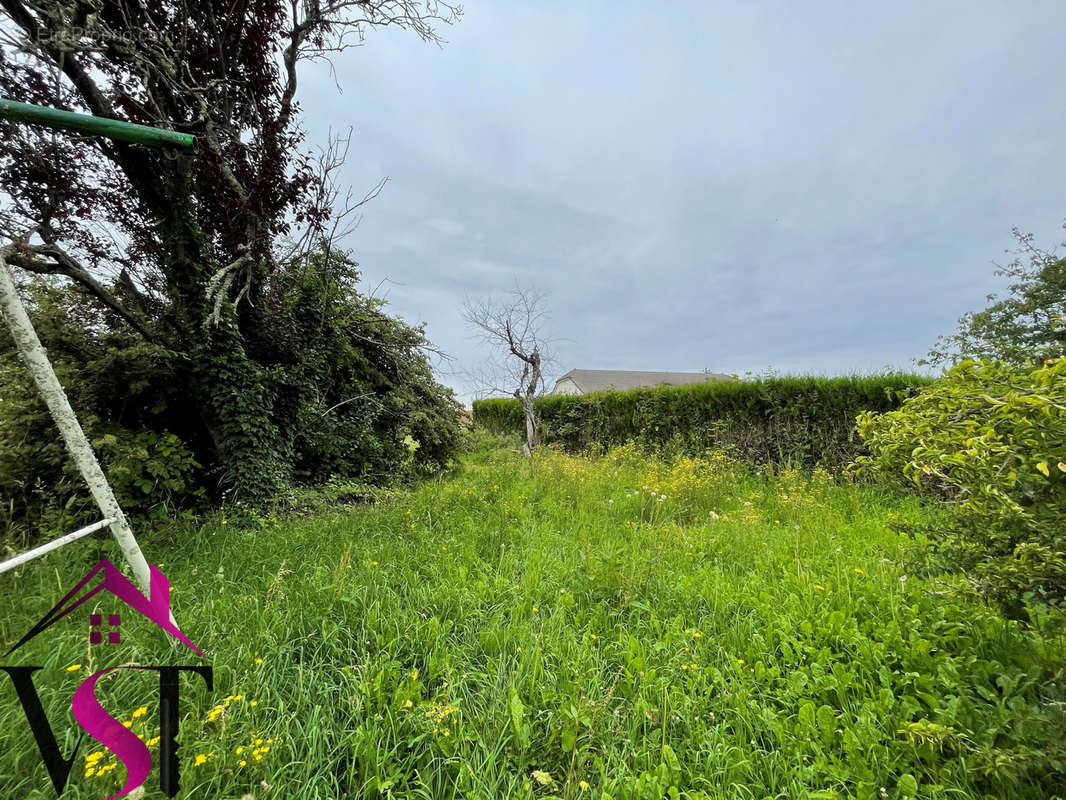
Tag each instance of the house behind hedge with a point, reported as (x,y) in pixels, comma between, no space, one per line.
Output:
(584,381)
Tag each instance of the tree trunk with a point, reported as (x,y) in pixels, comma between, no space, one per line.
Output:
(532,425)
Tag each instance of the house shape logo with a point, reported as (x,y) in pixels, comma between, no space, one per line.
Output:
(87,710)
(155,607)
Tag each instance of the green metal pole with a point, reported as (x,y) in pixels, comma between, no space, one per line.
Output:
(99,126)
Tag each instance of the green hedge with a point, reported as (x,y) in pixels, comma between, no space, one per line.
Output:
(799,420)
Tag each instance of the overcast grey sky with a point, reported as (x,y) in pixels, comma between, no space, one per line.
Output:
(706,184)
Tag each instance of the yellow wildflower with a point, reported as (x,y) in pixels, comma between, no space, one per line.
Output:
(73,667)
(140,712)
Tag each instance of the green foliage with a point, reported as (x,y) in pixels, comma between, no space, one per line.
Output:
(782,420)
(151,474)
(991,438)
(356,382)
(547,627)
(337,388)
(1027,325)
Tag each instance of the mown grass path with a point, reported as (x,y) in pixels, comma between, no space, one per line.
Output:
(565,627)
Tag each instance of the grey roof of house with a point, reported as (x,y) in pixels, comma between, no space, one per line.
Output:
(598,380)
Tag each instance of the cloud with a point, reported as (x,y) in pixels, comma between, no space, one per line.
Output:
(706,185)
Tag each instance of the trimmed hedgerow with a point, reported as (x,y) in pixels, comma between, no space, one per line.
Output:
(799,420)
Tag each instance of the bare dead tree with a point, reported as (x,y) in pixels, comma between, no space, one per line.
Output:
(513,328)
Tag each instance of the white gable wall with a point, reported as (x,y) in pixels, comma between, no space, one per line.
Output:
(566,386)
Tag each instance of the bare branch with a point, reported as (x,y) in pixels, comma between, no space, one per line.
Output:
(22,254)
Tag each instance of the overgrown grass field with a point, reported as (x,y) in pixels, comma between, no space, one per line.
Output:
(562,626)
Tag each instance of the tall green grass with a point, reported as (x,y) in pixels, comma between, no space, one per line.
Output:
(565,627)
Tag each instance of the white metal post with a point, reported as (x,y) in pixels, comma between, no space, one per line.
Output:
(36,359)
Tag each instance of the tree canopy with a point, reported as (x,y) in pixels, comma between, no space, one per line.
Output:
(1027,325)
(217,268)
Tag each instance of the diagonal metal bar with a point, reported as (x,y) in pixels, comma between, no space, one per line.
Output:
(51,391)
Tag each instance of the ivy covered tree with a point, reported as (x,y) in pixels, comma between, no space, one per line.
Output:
(1027,325)
(203,259)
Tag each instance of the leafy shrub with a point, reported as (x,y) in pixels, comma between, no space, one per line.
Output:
(990,438)
(153,474)
(347,386)
(802,420)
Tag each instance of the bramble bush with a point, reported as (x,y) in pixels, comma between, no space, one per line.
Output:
(991,439)
(352,397)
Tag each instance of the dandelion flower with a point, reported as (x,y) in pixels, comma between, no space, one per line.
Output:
(858,571)
(535,609)
(740,660)
(140,712)
(200,759)
(73,667)
(819,587)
